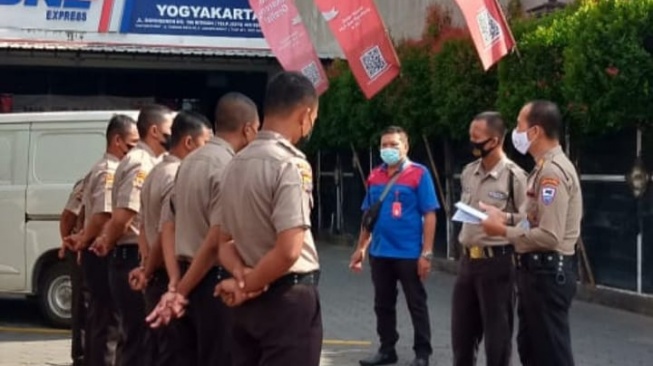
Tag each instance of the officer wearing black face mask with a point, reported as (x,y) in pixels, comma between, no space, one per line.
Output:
(119,239)
(167,141)
(483,298)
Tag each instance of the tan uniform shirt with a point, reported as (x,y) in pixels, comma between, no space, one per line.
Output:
(130,176)
(74,203)
(99,186)
(493,188)
(268,188)
(554,207)
(195,194)
(156,192)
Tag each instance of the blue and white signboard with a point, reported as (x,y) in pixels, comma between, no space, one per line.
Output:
(169,23)
(226,18)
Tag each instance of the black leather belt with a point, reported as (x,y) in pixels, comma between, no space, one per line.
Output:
(544,261)
(478,252)
(291,279)
(125,251)
(218,272)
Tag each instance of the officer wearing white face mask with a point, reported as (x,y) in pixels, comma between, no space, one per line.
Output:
(399,223)
(544,240)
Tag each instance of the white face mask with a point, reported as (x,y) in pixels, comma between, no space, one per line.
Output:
(520,141)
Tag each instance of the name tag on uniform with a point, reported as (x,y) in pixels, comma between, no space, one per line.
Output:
(497,195)
(396,210)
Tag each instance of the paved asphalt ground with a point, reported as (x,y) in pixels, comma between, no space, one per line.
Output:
(601,336)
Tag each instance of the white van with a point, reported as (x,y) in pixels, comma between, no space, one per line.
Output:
(41,156)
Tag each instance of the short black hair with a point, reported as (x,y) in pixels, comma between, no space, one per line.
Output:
(233,111)
(119,125)
(188,123)
(150,115)
(494,122)
(286,91)
(390,130)
(547,115)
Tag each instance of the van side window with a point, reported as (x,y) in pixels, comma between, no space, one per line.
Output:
(64,156)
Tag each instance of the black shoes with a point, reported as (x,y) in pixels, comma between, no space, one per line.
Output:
(390,358)
(380,359)
(420,362)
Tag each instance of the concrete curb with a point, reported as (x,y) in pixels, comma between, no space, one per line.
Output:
(639,304)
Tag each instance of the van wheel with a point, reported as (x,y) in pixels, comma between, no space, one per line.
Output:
(56,294)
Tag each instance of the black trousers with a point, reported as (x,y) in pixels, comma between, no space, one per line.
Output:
(544,299)
(208,321)
(130,305)
(168,347)
(483,307)
(385,274)
(78,309)
(282,327)
(101,337)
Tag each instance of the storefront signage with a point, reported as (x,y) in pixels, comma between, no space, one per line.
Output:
(169,23)
(227,18)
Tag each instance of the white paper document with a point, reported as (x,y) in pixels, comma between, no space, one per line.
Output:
(468,214)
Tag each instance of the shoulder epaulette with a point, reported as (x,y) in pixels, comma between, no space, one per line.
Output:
(557,165)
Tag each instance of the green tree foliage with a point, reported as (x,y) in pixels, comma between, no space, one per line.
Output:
(460,88)
(410,99)
(588,58)
(345,116)
(535,70)
(608,77)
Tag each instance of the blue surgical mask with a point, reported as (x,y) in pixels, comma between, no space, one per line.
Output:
(390,155)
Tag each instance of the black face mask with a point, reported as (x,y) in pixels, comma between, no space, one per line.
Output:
(167,139)
(129,147)
(478,148)
(304,140)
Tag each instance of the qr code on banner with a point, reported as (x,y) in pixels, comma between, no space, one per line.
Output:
(489,27)
(373,62)
(312,72)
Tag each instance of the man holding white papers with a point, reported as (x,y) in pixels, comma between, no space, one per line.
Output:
(545,241)
(484,296)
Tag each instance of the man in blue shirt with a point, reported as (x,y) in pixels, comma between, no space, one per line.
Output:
(401,245)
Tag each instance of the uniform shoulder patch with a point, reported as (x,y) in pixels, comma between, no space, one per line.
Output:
(549,182)
(140,178)
(548,195)
(108,180)
(306,174)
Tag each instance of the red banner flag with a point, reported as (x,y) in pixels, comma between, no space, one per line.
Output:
(284,30)
(489,29)
(359,29)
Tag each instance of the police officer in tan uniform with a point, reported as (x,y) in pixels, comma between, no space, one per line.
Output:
(190,232)
(120,235)
(190,131)
(545,240)
(484,295)
(71,222)
(264,215)
(101,334)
